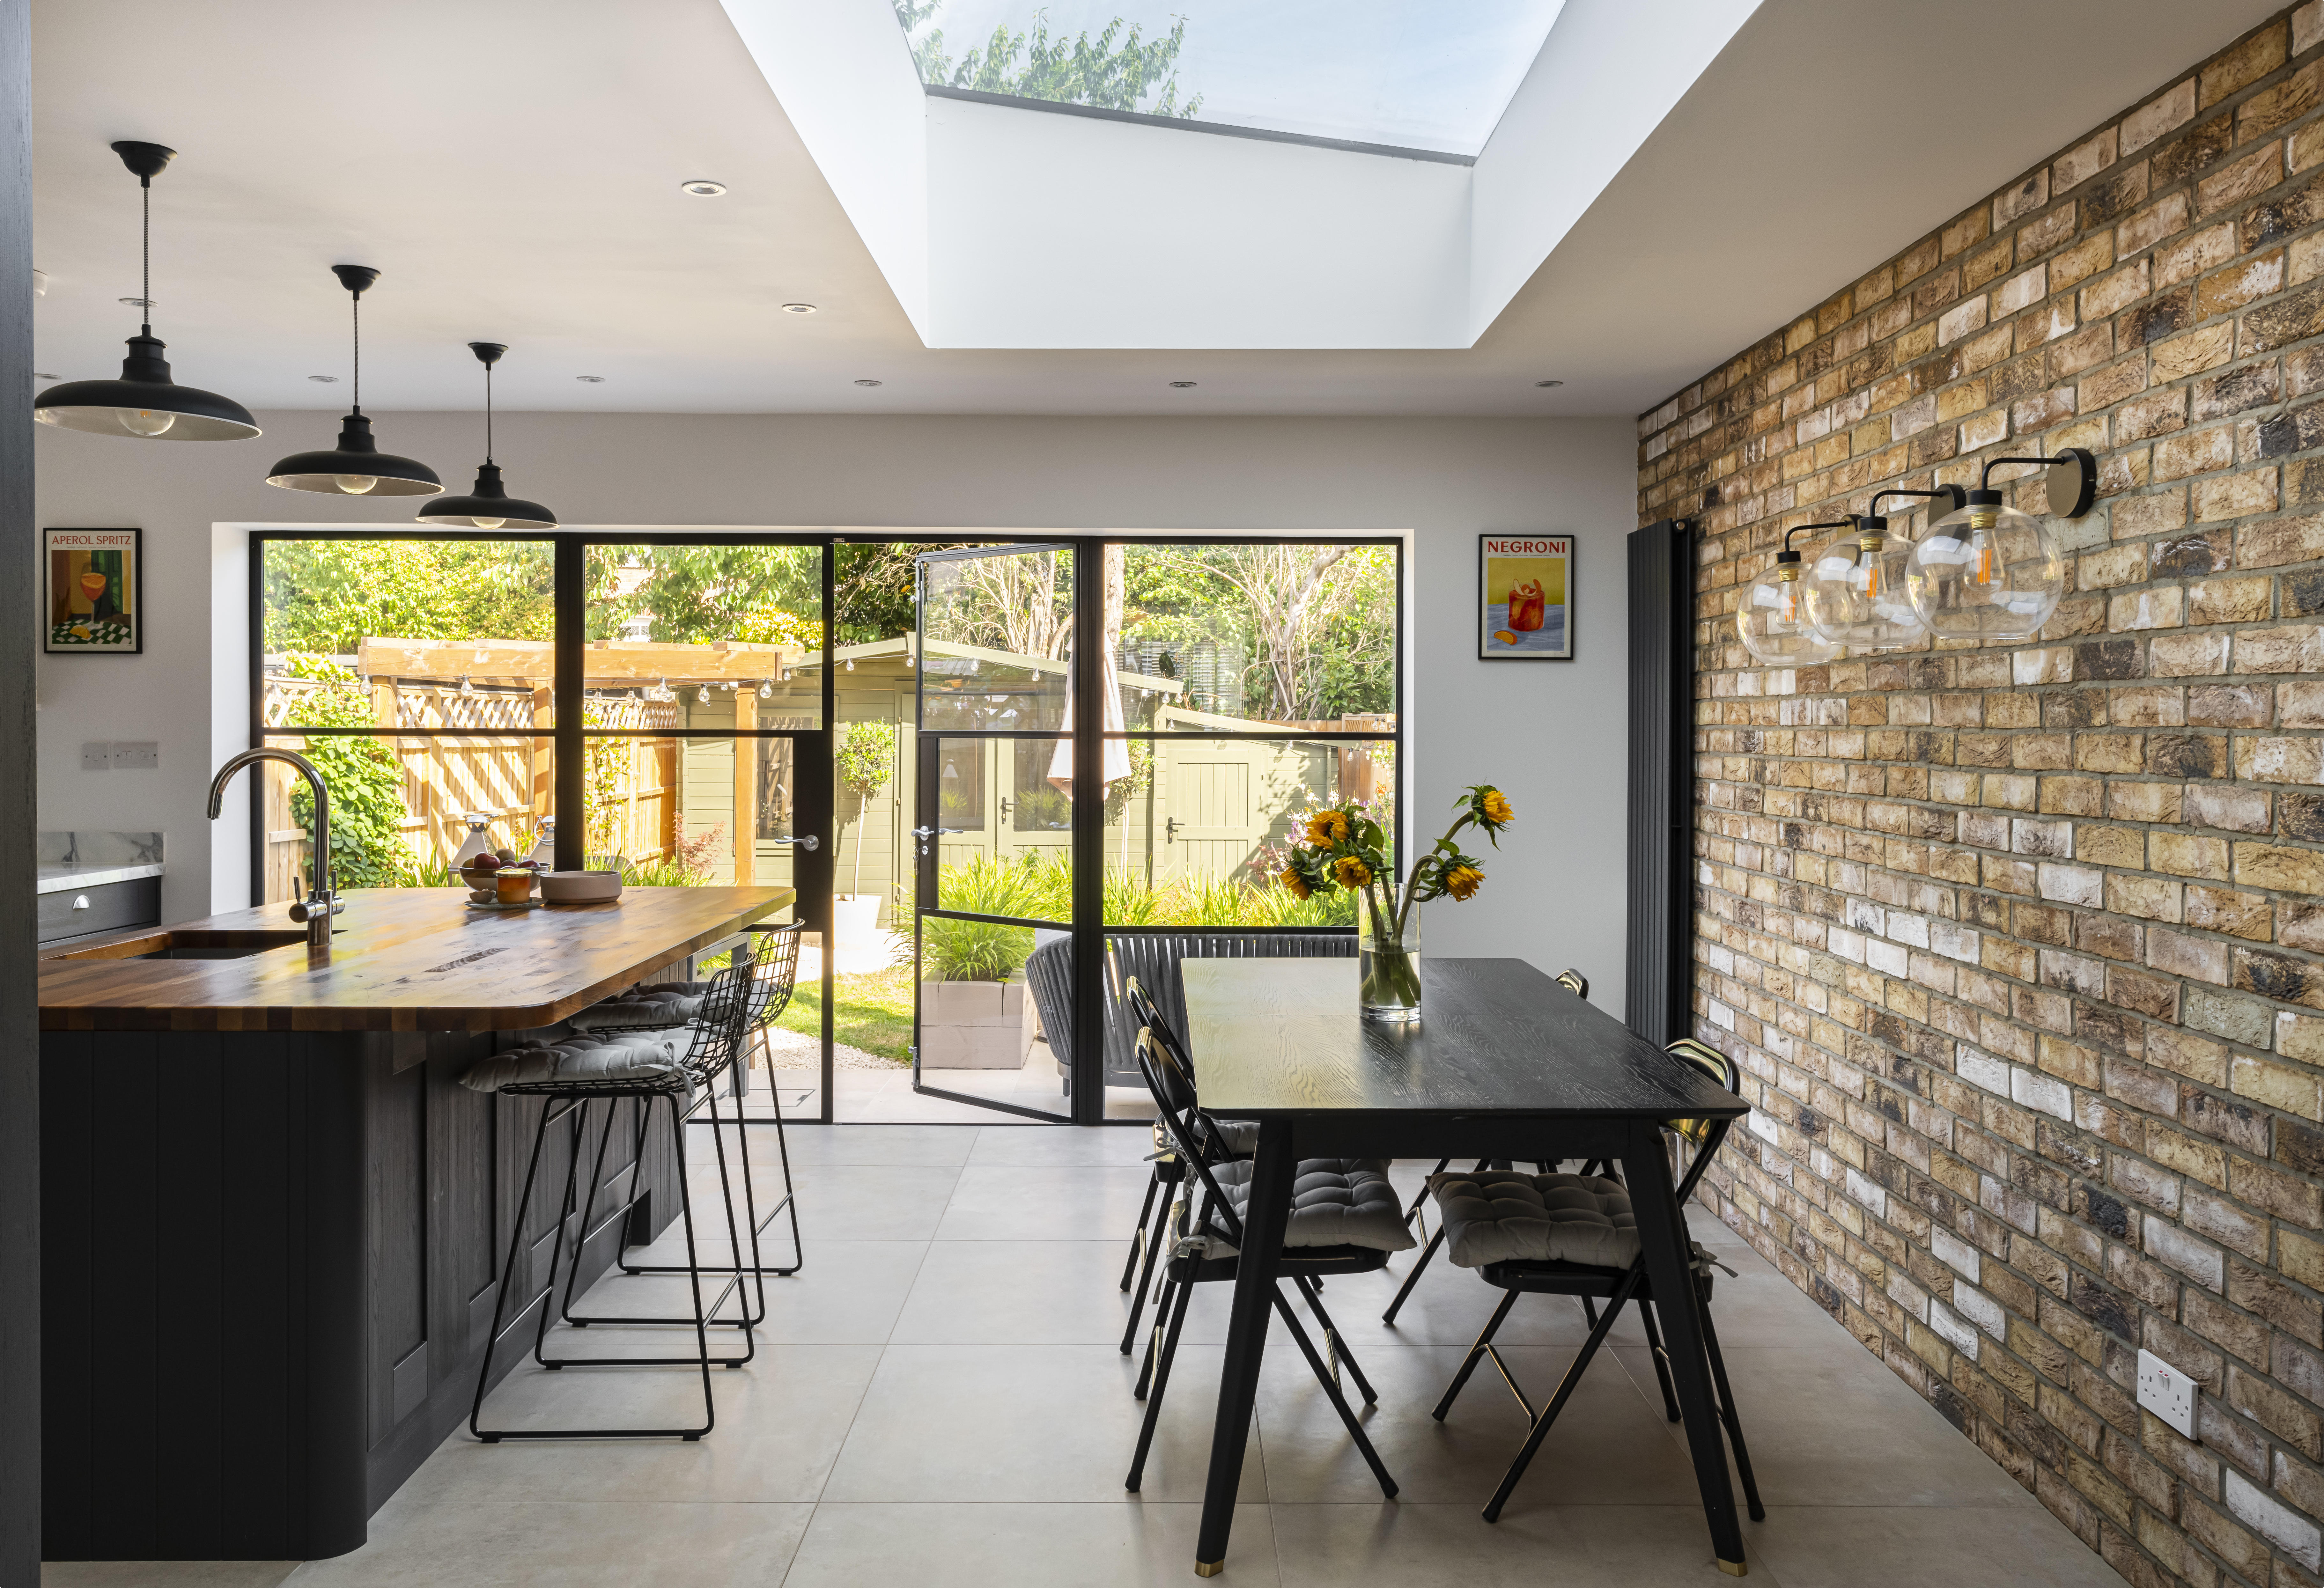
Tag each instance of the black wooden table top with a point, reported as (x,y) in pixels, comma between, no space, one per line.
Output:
(1282,1037)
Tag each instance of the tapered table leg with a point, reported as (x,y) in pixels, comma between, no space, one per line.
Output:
(1266,1213)
(1661,1235)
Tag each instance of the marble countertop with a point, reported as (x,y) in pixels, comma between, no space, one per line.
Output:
(59,878)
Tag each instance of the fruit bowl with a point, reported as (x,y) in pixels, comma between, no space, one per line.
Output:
(580,886)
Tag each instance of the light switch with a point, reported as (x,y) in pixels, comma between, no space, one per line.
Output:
(136,755)
(96,755)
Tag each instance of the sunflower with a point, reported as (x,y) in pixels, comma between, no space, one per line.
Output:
(1290,878)
(1326,828)
(1493,806)
(1351,871)
(1461,881)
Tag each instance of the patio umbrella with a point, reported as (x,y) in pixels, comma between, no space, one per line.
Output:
(1117,751)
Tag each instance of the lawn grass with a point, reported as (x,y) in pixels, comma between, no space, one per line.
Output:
(873,1012)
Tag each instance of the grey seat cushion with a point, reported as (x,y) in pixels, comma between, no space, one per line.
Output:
(637,1055)
(1238,1138)
(1335,1202)
(1499,1215)
(643,1008)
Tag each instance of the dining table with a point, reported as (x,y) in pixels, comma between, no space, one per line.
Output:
(1503,1063)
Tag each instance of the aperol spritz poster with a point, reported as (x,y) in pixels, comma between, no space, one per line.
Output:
(1524,587)
(94,604)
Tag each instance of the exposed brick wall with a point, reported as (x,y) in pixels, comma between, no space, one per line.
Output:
(2022,948)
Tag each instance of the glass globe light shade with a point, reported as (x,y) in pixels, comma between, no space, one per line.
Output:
(1856,594)
(1772,620)
(1986,572)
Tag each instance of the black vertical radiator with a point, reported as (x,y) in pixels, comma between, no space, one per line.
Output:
(1659,951)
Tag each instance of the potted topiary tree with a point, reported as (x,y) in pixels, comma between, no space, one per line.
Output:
(864,763)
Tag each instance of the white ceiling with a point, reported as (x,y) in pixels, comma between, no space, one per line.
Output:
(512,170)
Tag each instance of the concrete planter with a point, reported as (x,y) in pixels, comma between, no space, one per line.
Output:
(974,1026)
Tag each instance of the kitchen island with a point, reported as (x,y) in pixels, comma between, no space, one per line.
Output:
(271,1216)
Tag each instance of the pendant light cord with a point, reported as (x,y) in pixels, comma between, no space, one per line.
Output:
(488,415)
(145,257)
(357,403)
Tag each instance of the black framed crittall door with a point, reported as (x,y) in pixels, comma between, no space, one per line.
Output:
(977,761)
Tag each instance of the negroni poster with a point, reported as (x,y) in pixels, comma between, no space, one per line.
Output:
(92,603)
(1524,587)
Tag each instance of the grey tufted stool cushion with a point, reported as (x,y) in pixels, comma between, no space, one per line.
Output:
(1499,1216)
(641,1056)
(1335,1202)
(642,1008)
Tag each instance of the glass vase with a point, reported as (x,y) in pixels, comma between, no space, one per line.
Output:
(1388,960)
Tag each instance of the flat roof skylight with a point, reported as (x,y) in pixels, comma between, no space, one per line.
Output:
(1408,74)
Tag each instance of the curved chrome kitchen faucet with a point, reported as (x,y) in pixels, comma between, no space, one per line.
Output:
(321,903)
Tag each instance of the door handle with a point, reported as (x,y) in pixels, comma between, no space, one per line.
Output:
(1170,830)
(81,901)
(810,842)
(933,832)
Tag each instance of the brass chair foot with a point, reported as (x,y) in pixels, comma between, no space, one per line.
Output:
(1734,1568)
(1209,1569)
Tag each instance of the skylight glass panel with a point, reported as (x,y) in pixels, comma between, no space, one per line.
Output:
(1410,74)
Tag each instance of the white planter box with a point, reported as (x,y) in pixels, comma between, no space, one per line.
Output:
(973,1026)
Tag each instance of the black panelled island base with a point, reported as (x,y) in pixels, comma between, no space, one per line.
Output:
(1503,1063)
(271,1216)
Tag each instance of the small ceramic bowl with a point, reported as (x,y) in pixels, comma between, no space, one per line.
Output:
(580,886)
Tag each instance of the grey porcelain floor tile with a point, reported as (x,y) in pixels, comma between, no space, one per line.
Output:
(1828,1425)
(1029,1293)
(1022,1546)
(165,1574)
(1842,1546)
(1063,1144)
(1027,1423)
(780,1424)
(846,1293)
(499,1544)
(1420,1546)
(1449,1306)
(1607,1448)
(1075,1203)
(873,1201)
(947,1145)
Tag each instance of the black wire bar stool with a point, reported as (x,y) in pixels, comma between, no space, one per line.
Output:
(1212,1254)
(773,965)
(717,1038)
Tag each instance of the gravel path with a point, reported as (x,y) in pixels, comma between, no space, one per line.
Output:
(795,1051)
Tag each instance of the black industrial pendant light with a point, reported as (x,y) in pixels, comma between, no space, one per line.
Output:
(488,506)
(144,402)
(355,466)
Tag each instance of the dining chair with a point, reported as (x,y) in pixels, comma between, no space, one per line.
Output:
(1344,1220)
(1574,982)
(1235,1139)
(1575,1236)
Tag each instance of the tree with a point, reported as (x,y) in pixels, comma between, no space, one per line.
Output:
(1320,619)
(863,764)
(361,774)
(324,596)
(1099,71)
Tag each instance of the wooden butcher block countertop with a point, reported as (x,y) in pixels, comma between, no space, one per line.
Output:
(403,959)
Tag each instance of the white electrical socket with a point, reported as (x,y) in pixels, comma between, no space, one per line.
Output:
(136,755)
(96,755)
(2167,1392)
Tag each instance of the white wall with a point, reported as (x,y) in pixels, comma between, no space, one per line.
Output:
(1550,733)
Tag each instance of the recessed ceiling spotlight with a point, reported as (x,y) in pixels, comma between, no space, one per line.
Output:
(325,380)
(136,302)
(868,382)
(798,308)
(702,187)
(592,379)
(1182,385)
(1549,382)
(40,283)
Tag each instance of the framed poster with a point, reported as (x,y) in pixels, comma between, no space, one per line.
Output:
(95,592)
(1525,597)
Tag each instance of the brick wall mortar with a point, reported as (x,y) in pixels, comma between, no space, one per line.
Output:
(2022,948)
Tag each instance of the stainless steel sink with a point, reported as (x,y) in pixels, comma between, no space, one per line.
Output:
(166,944)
